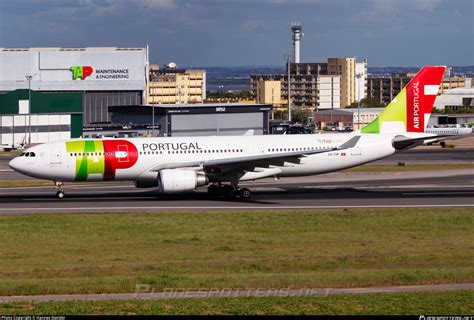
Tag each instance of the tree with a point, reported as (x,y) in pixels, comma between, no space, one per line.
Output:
(367,103)
(300,115)
(228,96)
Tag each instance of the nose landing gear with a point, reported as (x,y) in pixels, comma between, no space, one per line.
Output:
(59,185)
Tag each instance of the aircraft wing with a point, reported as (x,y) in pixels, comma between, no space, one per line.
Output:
(250,162)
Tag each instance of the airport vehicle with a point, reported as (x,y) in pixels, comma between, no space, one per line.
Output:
(179,164)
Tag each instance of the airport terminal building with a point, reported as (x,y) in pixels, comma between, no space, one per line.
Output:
(104,76)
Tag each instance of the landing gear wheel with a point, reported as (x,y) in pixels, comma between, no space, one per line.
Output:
(214,190)
(229,192)
(245,193)
(59,185)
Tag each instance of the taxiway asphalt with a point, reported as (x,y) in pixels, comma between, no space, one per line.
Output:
(446,188)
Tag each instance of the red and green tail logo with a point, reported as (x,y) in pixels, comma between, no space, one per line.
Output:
(81,72)
(411,108)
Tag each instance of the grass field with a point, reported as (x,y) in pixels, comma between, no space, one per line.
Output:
(96,253)
(439,303)
(26,183)
(37,183)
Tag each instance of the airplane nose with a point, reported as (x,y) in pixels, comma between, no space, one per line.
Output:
(14,164)
(17,165)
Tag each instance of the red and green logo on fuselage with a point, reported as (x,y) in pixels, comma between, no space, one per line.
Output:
(81,72)
(101,157)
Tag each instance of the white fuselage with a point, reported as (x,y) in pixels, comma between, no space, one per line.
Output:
(52,161)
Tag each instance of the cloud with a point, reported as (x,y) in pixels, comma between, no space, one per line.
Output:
(293,1)
(157,4)
(253,24)
(99,6)
(247,32)
(428,5)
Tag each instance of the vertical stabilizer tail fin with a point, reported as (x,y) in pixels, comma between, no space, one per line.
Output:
(410,110)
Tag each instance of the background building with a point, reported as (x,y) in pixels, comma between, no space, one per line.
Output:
(457,98)
(104,76)
(384,89)
(269,92)
(53,116)
(305,81)
(361,80)
(345,67)
(329,92)
(347,119)
(195,120)
(319,85)
(177,86)
(454,82)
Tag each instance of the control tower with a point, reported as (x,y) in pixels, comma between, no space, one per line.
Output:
(297,34)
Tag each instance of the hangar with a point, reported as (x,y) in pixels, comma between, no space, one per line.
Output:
(104,76)
(191,120)
(52,116)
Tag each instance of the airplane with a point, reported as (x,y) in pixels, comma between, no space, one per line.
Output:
(448,134)
(181,164)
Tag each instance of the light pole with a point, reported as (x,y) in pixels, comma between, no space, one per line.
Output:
(358,76)
(289,87)
(153,121)
(29,77)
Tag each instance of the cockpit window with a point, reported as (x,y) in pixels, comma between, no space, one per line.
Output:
(27,154)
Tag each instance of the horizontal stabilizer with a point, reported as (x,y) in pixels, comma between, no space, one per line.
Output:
(403,143)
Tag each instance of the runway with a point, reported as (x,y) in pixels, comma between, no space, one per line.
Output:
(448,188)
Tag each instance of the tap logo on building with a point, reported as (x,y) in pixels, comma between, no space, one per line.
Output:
(81,72)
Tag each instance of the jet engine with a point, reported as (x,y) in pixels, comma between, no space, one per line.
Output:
(179,180)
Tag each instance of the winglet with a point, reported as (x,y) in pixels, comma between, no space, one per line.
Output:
(349,143)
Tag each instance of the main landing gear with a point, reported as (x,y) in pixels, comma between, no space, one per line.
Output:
(229,191)
(59,185)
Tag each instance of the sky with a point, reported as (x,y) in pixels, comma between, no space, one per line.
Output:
(250,32)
